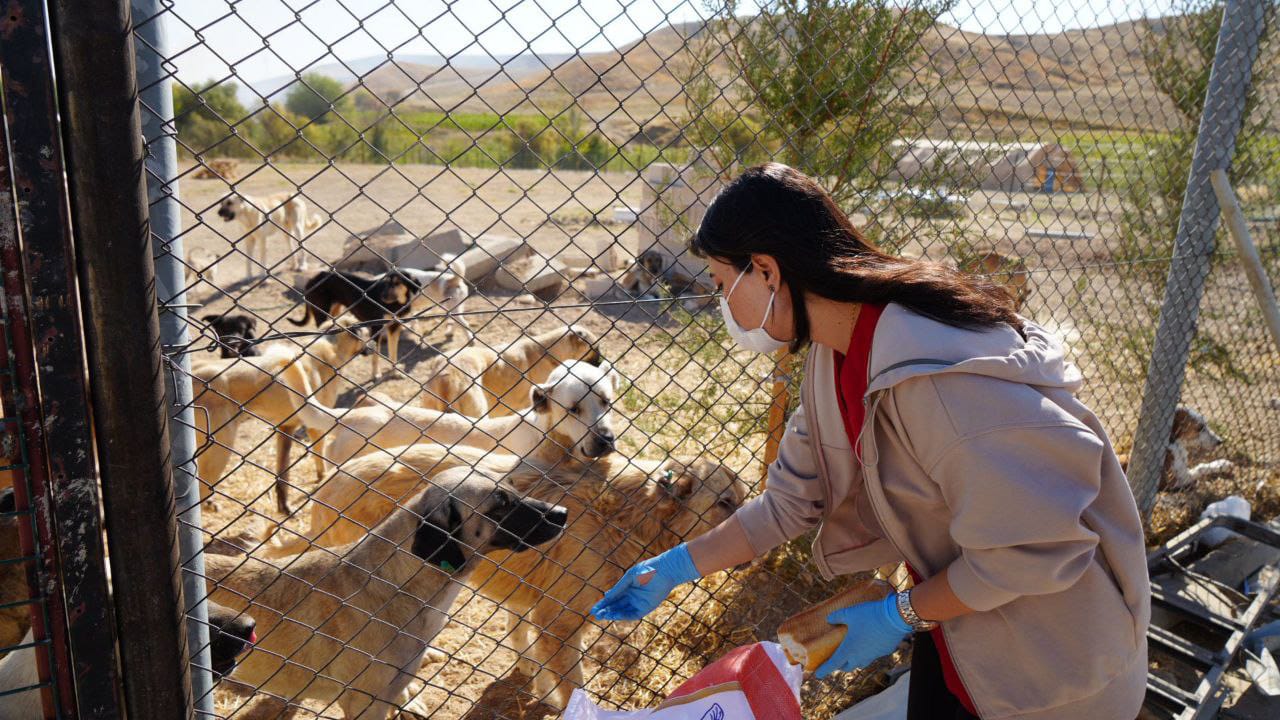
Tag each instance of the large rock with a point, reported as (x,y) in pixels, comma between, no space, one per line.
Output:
(488,253)
(376,250)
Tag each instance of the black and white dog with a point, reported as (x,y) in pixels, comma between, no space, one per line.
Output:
(234,333)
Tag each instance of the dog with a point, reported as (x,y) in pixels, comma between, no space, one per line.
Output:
(230,635)
(1190,434)
(1005,270)
(445,289)
(270,387)
(620,512)
(234,333)
(570,416)
(262,218)
(351,625)
(478,381)
(375,303)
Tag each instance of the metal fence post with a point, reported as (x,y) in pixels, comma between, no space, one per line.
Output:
(94,48)
(155,93)
(1193,247)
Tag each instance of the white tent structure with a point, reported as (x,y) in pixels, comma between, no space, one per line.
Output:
(1012,167)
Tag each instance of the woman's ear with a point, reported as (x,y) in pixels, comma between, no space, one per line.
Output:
(767,266)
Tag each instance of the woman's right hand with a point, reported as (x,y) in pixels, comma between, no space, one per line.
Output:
(646,585)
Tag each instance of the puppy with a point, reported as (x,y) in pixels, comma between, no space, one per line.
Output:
(477,381)
(262,218)
(1006,270)
(570,416)
(351,625)
(1190,434)
(234,333)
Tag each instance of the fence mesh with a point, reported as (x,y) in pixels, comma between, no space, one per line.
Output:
(516,181)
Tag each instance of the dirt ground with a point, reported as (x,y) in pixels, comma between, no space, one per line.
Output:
(687,395)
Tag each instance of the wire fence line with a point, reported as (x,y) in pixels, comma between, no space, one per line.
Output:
(569,183)
(481,214)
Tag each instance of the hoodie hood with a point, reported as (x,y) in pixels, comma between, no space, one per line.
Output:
(909,345)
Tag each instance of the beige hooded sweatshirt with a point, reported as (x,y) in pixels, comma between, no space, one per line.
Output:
(977,458)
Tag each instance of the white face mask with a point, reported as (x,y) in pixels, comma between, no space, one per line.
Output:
(758,339)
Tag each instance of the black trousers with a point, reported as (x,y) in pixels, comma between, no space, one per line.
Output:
(928,697)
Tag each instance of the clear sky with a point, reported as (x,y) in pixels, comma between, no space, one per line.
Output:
(233,32)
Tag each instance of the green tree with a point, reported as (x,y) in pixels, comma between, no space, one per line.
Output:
(1178,52)
(315,96)
(204,115)
(817,84)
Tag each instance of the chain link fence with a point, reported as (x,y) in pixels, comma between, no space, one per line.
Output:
(418,237)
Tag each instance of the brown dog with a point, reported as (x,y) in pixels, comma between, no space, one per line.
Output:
(351,625)
(620,512)
(477,381)
(1006,270)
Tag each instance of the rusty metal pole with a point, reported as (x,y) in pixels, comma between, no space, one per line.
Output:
(102,133)
(779,399)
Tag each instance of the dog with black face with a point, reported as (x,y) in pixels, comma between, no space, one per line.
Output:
(349,625)
(230,634)
(234,333)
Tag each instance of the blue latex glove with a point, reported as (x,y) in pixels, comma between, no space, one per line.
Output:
(875,629)
(646,585)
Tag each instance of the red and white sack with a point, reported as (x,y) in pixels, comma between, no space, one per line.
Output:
(754,682)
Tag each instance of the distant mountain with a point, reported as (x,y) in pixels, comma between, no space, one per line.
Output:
(412,68)
(1092,77)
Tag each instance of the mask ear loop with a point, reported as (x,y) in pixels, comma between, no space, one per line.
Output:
(768,309)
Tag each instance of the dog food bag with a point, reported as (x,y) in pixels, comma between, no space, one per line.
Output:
(755,682)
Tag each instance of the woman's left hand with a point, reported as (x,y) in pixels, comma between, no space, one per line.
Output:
(874,630)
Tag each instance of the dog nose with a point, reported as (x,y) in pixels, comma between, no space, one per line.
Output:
(603,442)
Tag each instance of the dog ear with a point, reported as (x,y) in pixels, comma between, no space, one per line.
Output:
(538,396)
(678,484)
(210,319)
(436,540)
(253,329)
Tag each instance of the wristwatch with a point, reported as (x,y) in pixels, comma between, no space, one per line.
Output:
(909,615)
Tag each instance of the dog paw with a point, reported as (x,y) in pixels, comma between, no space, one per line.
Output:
(434,656)
(1219,468)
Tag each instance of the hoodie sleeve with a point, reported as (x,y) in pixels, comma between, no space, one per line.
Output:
(1017,495)
(792,501)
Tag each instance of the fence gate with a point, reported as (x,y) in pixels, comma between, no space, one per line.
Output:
(302,298)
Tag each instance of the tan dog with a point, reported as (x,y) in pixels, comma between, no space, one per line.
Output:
(270,387)
(620,512)
(351,626)
(262,218)
(477,381)
(442,290)
(570,415)
(1007,270)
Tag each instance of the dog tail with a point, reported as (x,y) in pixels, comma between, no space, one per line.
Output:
(312,222)
(308,316)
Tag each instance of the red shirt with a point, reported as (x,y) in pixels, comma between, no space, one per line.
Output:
(852,377)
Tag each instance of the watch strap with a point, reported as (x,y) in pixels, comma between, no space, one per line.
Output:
(908,613)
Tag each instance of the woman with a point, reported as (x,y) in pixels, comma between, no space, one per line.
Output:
(939,428)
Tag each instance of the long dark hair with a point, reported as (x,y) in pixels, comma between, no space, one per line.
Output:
(778,211)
